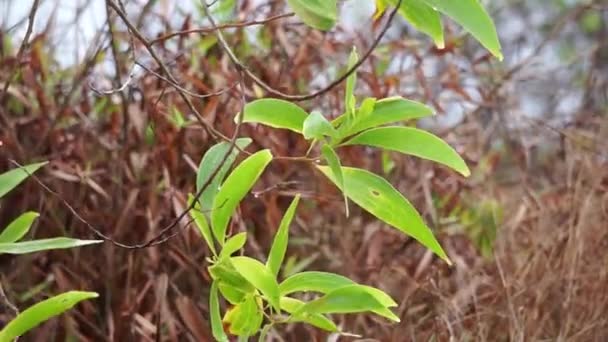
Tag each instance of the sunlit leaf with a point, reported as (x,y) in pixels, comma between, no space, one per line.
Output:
(334,164)
(10,179)
(291,305)
(474,18)
(275,113)
(217,328)
(43,244)
(414,142)
(212,159)
(319,14)
(201,223)
(230,293)
(41,312)
(233,244)
(224,272)
(324,282)
(423,17)
(391,110)
(260,276)
(279,245)
(351,81)
(374,194)
(316,126)
(346,299)
(236,186)
(18,228)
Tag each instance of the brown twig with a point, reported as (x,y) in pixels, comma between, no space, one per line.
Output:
(164,69)
(207,30)
(235,60)
(24,45)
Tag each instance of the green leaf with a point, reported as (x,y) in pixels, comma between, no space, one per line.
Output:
(291,305)
(391,110)
(334,164)
(346,299)
(313,281)
(279,245)
(275,113)
(42,311)
(324,282)
(423,17)
(351,81)
(18,228)
(233,244)
(245,318)
(234,189)
(260,276)
(319,14)
(43,244)
(414,142)
(201,223)
(374,194)
(232,294)
(474,18)
(210,162)
(10,179)
(217,329)
(224,272)
(316,126)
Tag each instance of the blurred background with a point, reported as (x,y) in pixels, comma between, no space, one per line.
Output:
(528,231)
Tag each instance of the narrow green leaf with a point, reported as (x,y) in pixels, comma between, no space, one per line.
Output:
(313,281)
(374,194)
(201,223)
(10,179)
(346,299)
(234,244)
(18,228)
(232,294)
(324,282)
(281,238)
(333,161)
(43,244)
(210,162)
(291,305)
(391,110)
(423,17)
(217,329)
(351,81)
(234,189)
(414,142)
(474,18)
(319,14)
(275,113)
(316,126)
(41,312)
(224,272)
(260,276)
(367,107)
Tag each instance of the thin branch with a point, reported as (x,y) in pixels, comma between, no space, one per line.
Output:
(177,86)
(207,30)
(235,60)
(212,131)
(24,45)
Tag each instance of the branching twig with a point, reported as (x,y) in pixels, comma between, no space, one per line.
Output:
(235,60)
(207,30)
(135,32)
(24,45)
